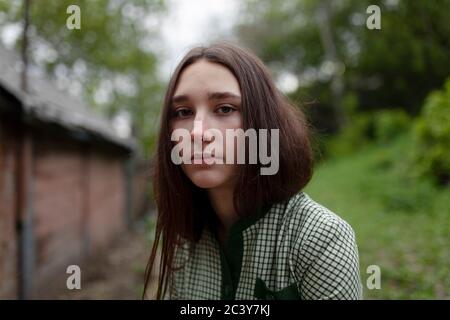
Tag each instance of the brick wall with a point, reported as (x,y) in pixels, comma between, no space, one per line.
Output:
(8,236)
(78,207)
(57,207)
(141,192)
(106,200)
(79,204)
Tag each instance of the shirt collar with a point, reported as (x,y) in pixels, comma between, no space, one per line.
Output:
(242,223)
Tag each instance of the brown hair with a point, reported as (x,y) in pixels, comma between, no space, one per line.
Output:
(179,202)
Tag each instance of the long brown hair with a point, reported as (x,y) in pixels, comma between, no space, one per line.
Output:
(179,202)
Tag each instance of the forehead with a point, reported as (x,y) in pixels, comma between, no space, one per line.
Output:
(203,76)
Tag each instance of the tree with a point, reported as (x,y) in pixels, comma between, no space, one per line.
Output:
(111,60)
(394,67)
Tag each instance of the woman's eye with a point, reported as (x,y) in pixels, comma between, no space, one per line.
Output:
(182,113)
(224,109)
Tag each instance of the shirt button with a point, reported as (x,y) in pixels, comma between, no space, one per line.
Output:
(227,290)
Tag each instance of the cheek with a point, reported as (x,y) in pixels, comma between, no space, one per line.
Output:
(184,132)
(232,123)
(237,121)
(174,125)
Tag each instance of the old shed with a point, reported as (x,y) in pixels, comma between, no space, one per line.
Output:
(69,185)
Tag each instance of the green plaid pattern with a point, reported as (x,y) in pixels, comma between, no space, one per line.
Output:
(297,249)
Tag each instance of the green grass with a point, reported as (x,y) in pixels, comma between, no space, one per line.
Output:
(402,223)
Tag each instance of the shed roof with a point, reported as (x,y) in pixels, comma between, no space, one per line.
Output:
(45,102)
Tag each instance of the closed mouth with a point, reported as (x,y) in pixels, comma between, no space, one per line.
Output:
(203,156)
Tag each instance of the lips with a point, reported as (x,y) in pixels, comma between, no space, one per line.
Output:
(203,156)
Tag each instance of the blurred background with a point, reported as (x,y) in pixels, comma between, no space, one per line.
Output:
(79,113)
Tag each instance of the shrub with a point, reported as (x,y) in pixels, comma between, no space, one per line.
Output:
(353,136)
(389,124)
(432,136)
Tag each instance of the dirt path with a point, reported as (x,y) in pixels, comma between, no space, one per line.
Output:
(119,273)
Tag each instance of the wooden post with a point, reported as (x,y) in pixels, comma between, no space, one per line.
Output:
(86,207)
(25,223)
(129,168)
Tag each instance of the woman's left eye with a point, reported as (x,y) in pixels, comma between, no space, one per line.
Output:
(224,109)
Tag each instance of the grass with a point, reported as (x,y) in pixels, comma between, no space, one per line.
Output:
(402,223)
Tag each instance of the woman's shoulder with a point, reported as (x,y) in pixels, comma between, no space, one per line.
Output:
(309,219)
(323,255)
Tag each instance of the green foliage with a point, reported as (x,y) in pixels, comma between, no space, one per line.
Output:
(112,56)
(379,126)
(353,136)
(400,220)
(389,124)
(395,66)
(350,103)
(403,198)
(432,136)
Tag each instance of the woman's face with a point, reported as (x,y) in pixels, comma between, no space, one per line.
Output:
(207,97)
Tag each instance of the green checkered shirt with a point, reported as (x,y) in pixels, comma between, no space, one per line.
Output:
(296,249)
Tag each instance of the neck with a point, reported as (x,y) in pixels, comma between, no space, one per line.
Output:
(222,202)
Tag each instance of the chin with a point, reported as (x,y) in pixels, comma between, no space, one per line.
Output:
(206,178)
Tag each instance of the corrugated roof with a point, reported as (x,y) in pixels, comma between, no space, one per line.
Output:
(45,102)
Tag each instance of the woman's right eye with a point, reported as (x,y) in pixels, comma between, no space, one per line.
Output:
(182,113)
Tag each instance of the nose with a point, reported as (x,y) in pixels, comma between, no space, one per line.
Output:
(199,129)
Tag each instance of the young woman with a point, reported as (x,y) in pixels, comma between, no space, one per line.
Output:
(228,231)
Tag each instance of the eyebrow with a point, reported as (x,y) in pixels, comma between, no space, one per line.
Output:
(211,96)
